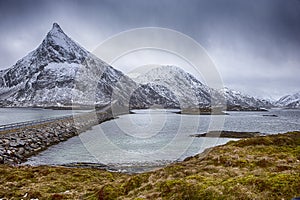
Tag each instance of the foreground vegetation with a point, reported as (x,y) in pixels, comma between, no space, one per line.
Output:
(255,168)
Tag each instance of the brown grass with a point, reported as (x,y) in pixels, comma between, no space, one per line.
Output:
(255,168)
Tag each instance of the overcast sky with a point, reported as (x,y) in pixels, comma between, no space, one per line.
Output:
(254,44)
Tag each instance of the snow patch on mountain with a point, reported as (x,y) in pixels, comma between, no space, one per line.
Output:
(193,93)
(150,94)
(236,98)
(289,101)
(189,91)
(60,72)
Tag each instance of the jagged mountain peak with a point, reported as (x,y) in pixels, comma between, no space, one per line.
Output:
(56,34)
(61,72)
(56,29)
(56,26)
(58,47)
(58,72)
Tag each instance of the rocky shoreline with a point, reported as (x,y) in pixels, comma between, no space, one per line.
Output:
(19,144)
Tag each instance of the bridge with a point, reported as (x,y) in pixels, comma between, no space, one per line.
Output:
(19,125)
(32,122)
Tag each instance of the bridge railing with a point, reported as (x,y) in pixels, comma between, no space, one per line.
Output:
(41,121)
(31,123)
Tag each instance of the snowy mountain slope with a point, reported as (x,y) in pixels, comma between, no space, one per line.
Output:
(235,98)
(151,94)
(60,72)
(289,101)
(189,91)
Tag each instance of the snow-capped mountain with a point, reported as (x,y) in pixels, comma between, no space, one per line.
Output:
(189,91)
(150,94)
(289,101)
(236,98)
(60,72)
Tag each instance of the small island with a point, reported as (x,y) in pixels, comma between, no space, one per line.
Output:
(202,111)
(228,134)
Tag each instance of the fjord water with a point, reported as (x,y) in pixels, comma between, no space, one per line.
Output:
(154,137)
(15,115)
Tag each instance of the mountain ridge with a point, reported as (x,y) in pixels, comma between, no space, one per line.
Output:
(193,93)
(60,72)
(289,101)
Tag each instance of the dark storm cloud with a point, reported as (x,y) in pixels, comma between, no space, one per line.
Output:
(255,44)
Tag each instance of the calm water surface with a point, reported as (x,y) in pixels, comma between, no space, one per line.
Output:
(155,137)
(14,115)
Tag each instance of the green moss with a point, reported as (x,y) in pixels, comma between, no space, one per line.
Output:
(275,185)
(175,189)
(296,152)
(134,182)
(110,192)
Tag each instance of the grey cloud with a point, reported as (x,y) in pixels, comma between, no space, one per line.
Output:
(248,40)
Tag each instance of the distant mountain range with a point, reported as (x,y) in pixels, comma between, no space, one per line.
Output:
(190,92)
(289,101)
(62,73)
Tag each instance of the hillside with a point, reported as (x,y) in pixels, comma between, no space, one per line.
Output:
(255,168)
(289,101)
(59,72)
